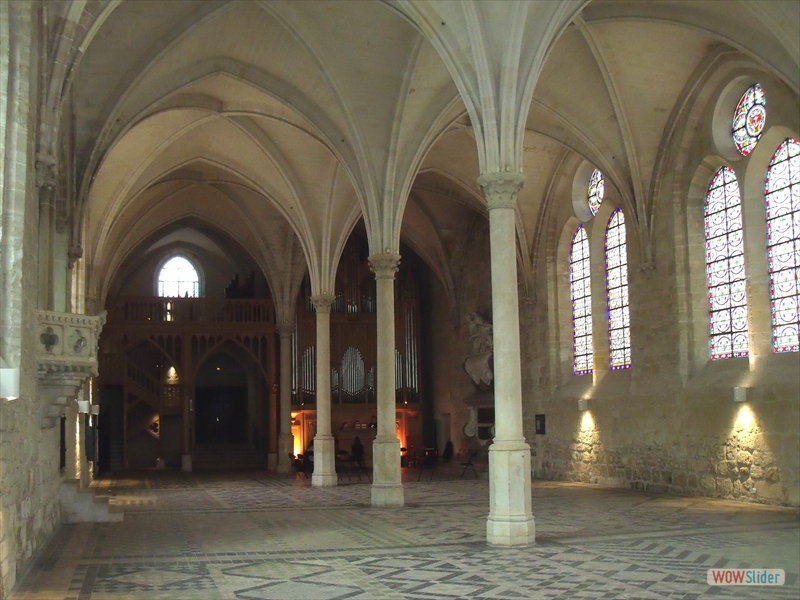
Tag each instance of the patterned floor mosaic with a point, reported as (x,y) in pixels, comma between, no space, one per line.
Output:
(256,535)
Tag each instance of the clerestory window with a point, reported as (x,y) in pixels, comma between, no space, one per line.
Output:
(619,318)
(178,278)
(725,269)
(580,287)
(782,203)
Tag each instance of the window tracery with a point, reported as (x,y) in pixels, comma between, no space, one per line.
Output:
(727,295)
(178,278)
(597,188)
(782,203)
(619,320)
(581,297)
(748,119)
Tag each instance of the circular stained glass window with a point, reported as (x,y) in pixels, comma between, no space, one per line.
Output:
(749,119)
(597,189)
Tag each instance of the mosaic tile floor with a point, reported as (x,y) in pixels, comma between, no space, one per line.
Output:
(256,535)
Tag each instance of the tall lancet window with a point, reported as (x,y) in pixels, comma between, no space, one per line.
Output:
(619,318)
(782,199)
(727,296)
(580,288)
(178,279)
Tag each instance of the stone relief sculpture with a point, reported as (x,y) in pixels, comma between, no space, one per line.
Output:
(478,364)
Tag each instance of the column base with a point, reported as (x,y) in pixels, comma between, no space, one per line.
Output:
(510,521)
(324,462)
(387,495)
(186,463)
(285,448)
(387,489)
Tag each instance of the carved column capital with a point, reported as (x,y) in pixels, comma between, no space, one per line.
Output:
(285,329)
(323,302)
(501,189)
(384,265)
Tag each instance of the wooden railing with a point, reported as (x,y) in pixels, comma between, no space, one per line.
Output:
(190,310)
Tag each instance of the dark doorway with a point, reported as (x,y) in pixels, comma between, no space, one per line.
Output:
(221,415)
(221,401)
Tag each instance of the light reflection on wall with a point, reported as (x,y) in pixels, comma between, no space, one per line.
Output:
(172,376)
(587,422)
(745,420)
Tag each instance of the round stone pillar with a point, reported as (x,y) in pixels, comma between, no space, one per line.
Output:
(285,437)
(387,489)
(324,453)
(510,521)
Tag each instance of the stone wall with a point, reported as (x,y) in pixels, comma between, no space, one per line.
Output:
(670,423)
(29,457)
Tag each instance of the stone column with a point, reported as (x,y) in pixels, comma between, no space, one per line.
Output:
(387,489)
(285,437)
(324,452)
(510,521)
(72,440)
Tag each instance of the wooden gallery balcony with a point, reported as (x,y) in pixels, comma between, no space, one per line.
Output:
(190,314)
(155,346)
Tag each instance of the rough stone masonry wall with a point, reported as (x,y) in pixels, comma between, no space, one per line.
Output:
(648,428)
(29,458)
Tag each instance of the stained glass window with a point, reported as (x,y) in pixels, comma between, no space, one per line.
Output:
(178,279)
(727,297)
(580,288)
(619,317)
(597,189)
(749,118)
(782,199)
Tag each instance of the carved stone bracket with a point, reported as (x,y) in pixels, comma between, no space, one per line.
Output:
(74,254)
(66,358)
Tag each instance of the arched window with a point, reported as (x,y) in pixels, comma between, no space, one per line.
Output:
(782,200)
(178,279)
(727,296)
(619,318)
(597,188)
(580,290)
(748,119)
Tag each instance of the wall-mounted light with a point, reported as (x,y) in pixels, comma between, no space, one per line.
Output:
(583,404)
(9,383)
(83,406)
(95,408)
(740,394)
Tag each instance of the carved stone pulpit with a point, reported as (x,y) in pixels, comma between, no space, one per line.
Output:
(66,358)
